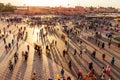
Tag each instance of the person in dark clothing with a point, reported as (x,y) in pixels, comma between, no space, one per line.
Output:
(70,64)
(40,51)
(9,45)
(15,58)
(6,47)
(65,42)
(109,43)
(64,52)
(4,40)
(26,55)
(28,47)
(62,72)
(103,45)
(75,51)
(112,61)
(90,65)
(47,47)
(94,53)
(10,65)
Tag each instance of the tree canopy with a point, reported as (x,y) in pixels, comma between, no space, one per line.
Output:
(6,8)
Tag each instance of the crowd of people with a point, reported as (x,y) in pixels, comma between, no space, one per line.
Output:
(84,25)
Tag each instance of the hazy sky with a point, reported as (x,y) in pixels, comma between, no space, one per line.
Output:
(96,3)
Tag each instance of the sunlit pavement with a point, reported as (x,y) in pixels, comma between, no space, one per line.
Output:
(43,66)
(47,66)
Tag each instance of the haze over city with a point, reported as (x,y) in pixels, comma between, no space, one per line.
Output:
(64,3)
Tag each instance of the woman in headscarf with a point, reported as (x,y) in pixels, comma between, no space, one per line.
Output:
(108,70)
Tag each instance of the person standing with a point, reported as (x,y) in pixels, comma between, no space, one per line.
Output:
(108,70)
(12,42)
(4,40)
(112,61)
(62,72)
(75,51)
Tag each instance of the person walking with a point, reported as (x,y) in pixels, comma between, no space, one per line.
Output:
(15,57)
(12,42)
(80,76)
(9,45)
(98,43)
(4,40)
(70,64)
(103,45)
(64,52)
(28,47)
(10,65)
(112,61)
(26,55)
(6,48)
(90,65)
(55,43)
(103,56)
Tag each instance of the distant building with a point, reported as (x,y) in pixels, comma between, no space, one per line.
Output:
(60,10)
